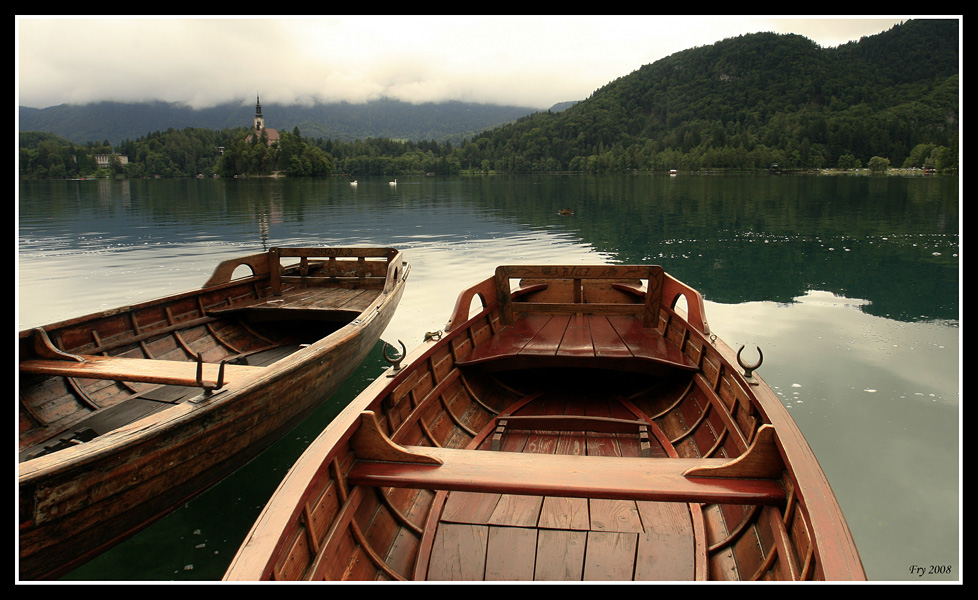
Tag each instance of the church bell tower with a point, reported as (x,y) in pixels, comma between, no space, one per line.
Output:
(259,120)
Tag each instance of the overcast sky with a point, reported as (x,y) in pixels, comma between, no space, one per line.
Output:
(533,61)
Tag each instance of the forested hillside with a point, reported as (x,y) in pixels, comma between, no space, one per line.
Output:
(743,103)
(747,102)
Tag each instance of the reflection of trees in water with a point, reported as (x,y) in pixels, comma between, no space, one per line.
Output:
(890,240)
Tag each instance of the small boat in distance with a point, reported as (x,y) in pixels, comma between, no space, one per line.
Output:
(577,427)
(128,413)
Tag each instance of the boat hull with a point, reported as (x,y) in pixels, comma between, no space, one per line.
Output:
(579,427)
(79,501)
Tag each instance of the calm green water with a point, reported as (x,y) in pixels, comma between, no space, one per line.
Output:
(849,284)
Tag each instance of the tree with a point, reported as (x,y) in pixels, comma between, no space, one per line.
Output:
(919,154)
(878,164)
(848,161)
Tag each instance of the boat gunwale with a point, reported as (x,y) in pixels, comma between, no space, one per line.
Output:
(179,414)
(199,406)
(151,435)
(829,535)
(391,278)
(312,463)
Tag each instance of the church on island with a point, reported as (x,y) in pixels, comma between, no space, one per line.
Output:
(271,135)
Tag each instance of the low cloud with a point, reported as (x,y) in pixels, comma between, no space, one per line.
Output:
(526,61)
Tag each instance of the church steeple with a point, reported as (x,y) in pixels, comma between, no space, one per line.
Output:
(259,120)
(259,129)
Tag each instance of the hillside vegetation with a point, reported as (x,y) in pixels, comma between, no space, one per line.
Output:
(750,101)
(743,103)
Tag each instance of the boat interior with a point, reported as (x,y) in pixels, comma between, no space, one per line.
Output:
(495,458)
(81,379)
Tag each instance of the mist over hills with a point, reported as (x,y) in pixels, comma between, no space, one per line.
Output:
(747,102)
(386,118)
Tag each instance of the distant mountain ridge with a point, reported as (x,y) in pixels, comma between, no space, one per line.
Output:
(744,103)
(385,118)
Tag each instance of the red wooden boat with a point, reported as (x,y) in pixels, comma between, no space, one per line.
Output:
(128,413)
(579,427)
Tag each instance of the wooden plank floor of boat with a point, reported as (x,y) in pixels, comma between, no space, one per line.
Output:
(505,537)
(310,298)
(140,405)
(594,338)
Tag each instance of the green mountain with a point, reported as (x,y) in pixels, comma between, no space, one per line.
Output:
(750,101)
(117,121)
(743,103)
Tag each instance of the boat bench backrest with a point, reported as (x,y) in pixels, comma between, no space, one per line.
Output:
(353,263)
(563,288)
(341,263)
(603,288)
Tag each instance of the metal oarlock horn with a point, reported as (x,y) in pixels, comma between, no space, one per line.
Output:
(200,376)
(749,369)
(396,360)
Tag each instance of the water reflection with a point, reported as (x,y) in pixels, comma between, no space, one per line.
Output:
(890,240)
(848,284)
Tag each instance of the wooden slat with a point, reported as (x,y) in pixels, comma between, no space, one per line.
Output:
(605,339)
(572,423)
(615,308)
(614,515)
(577,337)
(458,553)
(510,554)
(168,372)
(560,555)
(469,507)
(352,282)
(547,339)
(564,513)
(516,511)
(610,556)
(648,343)
(573,476)
(575,271)
(665,550)
(340,252)
(507,342)
(538,336)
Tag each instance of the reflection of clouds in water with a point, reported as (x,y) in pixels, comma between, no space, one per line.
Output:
(830,339)
(878,400)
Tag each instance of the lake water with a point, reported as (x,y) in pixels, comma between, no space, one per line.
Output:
(849,284)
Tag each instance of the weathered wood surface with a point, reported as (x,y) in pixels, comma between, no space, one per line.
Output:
(749,479)
(166,372)
(163,431)
(532,441)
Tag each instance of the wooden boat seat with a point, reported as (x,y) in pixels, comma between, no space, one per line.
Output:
(571,423)
(753,478)
(579,339)
(167,372)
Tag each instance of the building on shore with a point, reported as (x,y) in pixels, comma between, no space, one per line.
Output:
(271,135)
(104,160)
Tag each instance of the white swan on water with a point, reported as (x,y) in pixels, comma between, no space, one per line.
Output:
(353,183)
(393,182)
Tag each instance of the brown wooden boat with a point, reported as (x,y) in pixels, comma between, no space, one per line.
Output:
(128,413)
(579,427)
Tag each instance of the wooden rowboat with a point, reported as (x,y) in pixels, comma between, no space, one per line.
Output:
(580,426)
(128,413)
